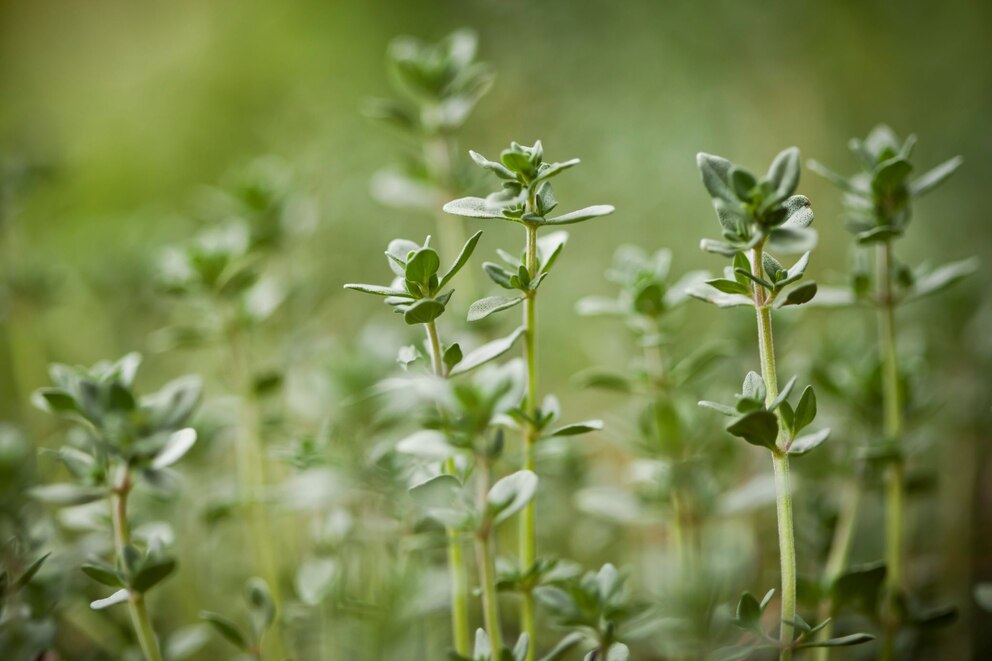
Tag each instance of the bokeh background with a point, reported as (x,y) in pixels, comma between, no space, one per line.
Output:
(115,115)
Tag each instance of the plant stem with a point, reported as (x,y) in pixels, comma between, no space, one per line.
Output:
(136,600)
(840,549)
(780,461)
(892,429)
(456,563)
(528,543)
(487,566)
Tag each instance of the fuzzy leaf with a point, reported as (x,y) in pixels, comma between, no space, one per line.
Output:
(118,597)
(581,215)
(486,353)
(472,207)
(378,291)
(807,442)
(486,306)
(463,257)
(935,177)
(757,427)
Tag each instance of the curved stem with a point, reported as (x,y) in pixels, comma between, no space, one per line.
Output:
(484,557)
(528,543)
(435,344)
(780,462)
(892,429)
(136,601)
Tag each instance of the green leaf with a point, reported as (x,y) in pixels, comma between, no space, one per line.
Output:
(790,239)
(749,614)
(720,299)
(716,176)
(743,182)
(800,212)
(719,408)
(486,306)
(496,168)
(576,428)
(379,291)
(555,169)
(118,597)
(564,646)
(784,172)
(397,252)
(843,641)
(55,400)
(805,443)
(580,215)
(102,573)
(837,180)
(463,257)
(452,356)
(226,628)
(152,574)
(261,606)
(757,427)
(890,174)
(422,265)
(423,311)
(498,274)
(782,395)
(29,573)
(472,207)
(427,444)
(486,353)
(804,293)
(729,286)
(175,448)
(510,494)
(942,277)
(753,387)
(65,494)
(805,410)
(935,177)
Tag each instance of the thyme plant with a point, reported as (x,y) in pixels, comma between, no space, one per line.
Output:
(438,86)
(124,437)
(879,203)
(261,614)
(525,197)
(759,215)
(418,292)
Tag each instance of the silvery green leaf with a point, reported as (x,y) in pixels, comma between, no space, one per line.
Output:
(576,428)
(836,179)
(379,291)
(423,311)
(719,299)
(581,215)
(891,173)
(178,445)
(486,353)
(792,239)
(758,427)
(782,395)
(593,306)
(118,597)
(719,247)
(483,649)
(64,495)
(510,494)
(549,247)
(942,277)
(729,286)
(486,306)
(807,442)
(426,444)
(716,176)
(564,646)
(397,190)
(933,178)
(833,297)
(753,387)
(498,169)
(397,252)
(678,292)
(463,257)
(554,169)
(314,579)
(472,207)
(784,172)
(800,212)
(719,408)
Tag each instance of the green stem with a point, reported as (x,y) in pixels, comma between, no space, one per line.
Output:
(528,543)
(136,601)
(840,550)
(892,429)
(780,462)
(460,629)
(484,557)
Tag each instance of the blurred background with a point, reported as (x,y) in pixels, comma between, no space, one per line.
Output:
(117,116)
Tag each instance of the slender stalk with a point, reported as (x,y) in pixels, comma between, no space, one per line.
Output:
(484,557)
(122,537)
(528,543)
(780,462)
(460,630)
(840,550)
(892,429)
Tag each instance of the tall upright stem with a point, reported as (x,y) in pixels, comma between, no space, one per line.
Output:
(840,549)
(460,630)
(528,544)
(122,537)
(892,429)
(780,461)
(484,557)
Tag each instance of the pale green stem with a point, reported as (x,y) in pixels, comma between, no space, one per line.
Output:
(484,557)
(460,629)
(780,462)
(840,550)
(528,543)
(892,429)
(136,601)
